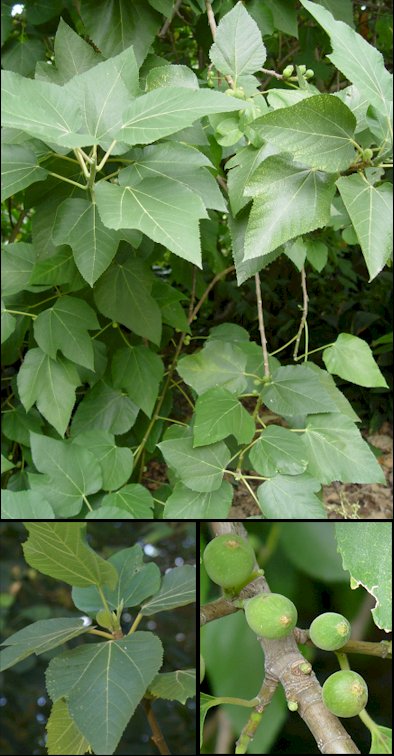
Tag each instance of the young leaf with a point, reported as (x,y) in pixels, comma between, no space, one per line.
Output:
(238,48)
(137,581)
(351,358)
(59,550)
(64,738)
(104,683)
(39,637)
(174,686)
(177,589)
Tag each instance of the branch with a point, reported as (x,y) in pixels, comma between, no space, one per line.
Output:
(304,314)
(17,227)
(164,29)
(212,26)
(285,663)
(261,324)
(368,648)
(157,735)
(216,609)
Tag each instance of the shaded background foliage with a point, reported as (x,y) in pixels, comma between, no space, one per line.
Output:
(27,596)
(300,560)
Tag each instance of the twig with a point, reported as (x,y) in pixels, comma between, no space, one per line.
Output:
(157,735)
(304,313)
(215,609)
(261,324)
(16,229)
(193,291)
(164,29)
(212,26)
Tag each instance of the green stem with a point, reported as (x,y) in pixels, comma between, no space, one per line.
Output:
(284,346)
(87,502)
(343,661)
(19,312)
(100,632)
(69,181)
(135,623)
(103,599)
(318,349)
(106,156)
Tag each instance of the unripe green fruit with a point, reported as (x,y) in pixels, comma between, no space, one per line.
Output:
(330,631)
(271,615)
(345,693)
(229,560)
(367,154)
(202,668)
(302,69)
(309,73)
(287,72)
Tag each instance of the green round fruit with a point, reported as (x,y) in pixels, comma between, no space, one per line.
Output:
(330,631)
(288,71)
(345,693)
(302,69)
(229,560)
(202,668)
(271,615)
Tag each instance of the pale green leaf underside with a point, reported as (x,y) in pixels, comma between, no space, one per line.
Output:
(78,224)
(50,384)
(370,210)
(351,358)
(174,686)
(165,211)
(238,49)
(64,738)
(200,469)
(39,637)
(289,200)
(19,169)
(60,551)
(336,450)
(103,684)
(290,497)
(318,131)
(178,588)
(367,555)
(185,504)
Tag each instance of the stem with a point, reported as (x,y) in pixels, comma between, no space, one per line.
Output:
(312,351)
(87,503)
(304,315)
(19,312)
(78,154)
(157,735)
(164,29)
(16,229)
(68,181)
(284,346)
(343,661)
(261,324)
(102,633)
(106,156)
(135,623)
(103,599)
(252,493)
(212,26)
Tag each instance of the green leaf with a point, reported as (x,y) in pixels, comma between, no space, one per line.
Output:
(217,364)
(19,505)
(104,683)
(341,403)
(104,408)
(20,169)
(289,200)
(178,588)
(59,550)
(247,268)
(289,497)
(78,224)
(278,450)
(351,358)
(139,371)
(102,92)
(174,686)
(199,469)
(165,211)
(58,269)
(369,208)
(219,414)
(39,637)
(63,736)
(17,264)
(43,110)
(169,300)
(367,553)
(64,326)
(8,323)
(238,48)
(318,131)
(134,499)
(359,61)
(336,450)
(183,164)
(296,390)
(137,581)
(116,26)
(171,76)
(185,504)
(241,167)
(6,465)
(116,463)
(73,472)
(21,55)
(50,384)
(73,55)
(382,739)
(316,254)
(123,294)
(284,16)
(165,111)
(205,704)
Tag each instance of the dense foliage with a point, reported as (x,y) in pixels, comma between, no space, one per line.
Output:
(149,155)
